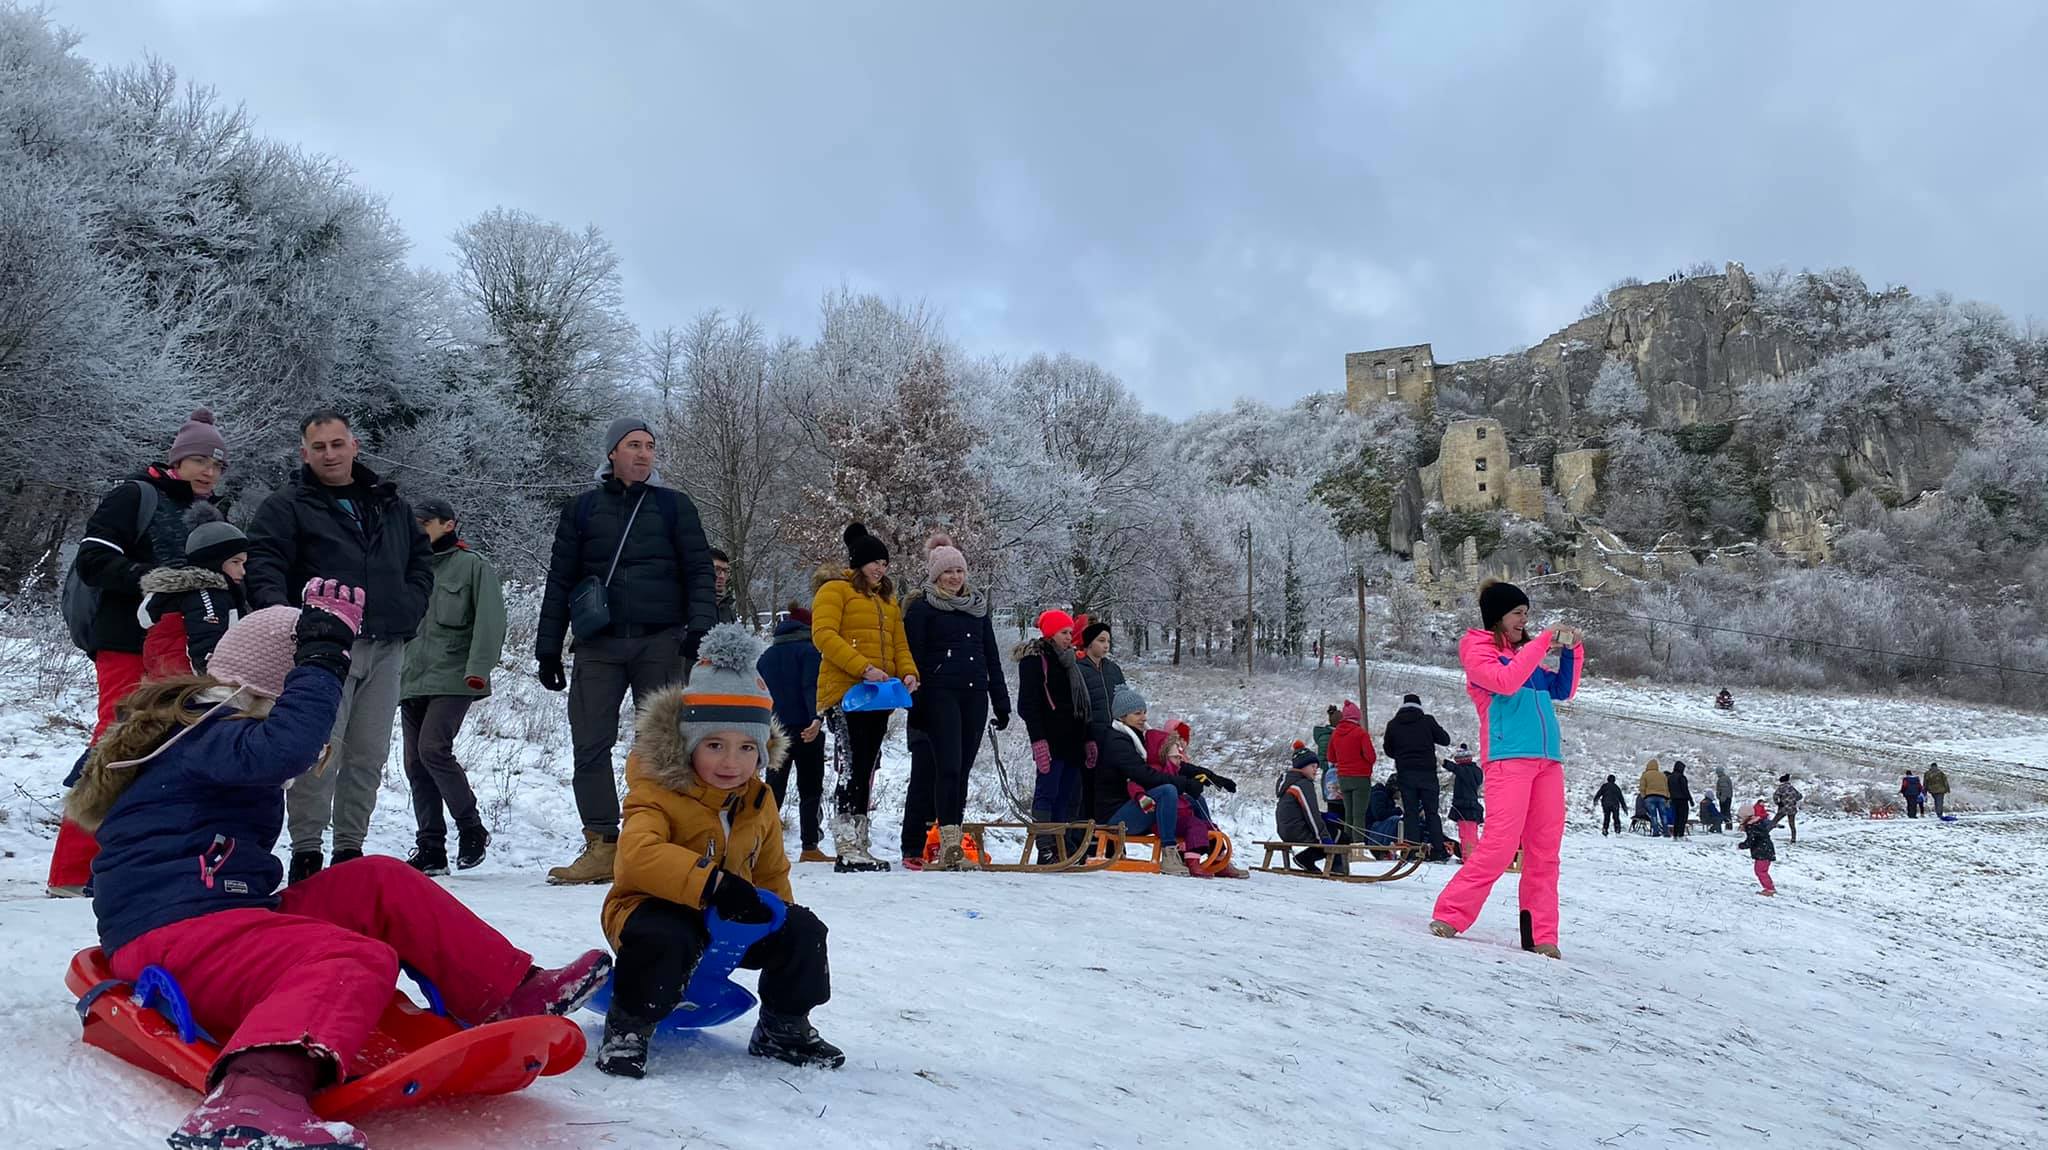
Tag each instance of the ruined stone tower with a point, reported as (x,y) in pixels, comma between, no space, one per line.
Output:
(1375,377)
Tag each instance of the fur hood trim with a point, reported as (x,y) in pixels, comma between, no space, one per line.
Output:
(171,580)
(658,740)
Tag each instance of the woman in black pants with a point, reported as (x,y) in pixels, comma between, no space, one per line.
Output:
(953,642)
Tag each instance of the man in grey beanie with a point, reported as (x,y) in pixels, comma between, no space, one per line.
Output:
(631,570)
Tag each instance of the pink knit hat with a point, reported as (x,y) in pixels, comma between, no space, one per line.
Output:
(198,438)
(256,653)
(941,556)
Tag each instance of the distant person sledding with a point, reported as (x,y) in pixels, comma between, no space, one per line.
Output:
(1724,701)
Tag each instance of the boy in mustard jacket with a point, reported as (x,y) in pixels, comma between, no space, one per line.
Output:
(702,831)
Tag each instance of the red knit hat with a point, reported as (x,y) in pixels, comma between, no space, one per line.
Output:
(1053,622)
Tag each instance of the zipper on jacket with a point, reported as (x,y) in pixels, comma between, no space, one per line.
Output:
(214,857)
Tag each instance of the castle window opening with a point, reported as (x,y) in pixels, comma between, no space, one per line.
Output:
(1479,464)
(1482,487)
(1481,431)
(1407,366)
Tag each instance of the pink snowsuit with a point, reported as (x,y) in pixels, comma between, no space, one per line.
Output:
(1520,745)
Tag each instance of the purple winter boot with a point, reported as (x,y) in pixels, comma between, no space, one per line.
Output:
(262,1103)
(558,991)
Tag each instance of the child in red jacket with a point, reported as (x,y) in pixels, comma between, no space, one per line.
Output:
(1351,751)
(186,794)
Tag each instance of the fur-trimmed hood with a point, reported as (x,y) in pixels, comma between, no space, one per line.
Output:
(659,742)
(171,580)
(832,572)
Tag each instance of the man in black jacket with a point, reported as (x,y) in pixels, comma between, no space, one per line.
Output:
(1611,799)
(637,550)
(1412,738)
(1121,761)
(339,521)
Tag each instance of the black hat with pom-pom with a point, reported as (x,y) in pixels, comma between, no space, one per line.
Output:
(863,548)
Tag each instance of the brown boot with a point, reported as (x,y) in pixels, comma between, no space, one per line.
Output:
(813,854)
(593,865)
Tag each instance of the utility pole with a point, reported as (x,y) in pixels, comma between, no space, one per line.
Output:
(1250,643)
(1364,701)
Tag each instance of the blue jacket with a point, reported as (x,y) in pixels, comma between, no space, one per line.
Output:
(1513,694)
(790,668)
(955,651)
(194,833)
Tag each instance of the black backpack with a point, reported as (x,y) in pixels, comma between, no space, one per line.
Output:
(81,600)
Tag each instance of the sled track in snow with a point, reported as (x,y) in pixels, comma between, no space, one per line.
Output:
(1896,757)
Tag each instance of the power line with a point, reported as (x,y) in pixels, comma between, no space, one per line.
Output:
(471,479)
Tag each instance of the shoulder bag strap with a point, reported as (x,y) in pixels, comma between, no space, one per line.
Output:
(621,548)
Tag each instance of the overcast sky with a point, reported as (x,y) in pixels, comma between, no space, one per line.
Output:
(1211,200)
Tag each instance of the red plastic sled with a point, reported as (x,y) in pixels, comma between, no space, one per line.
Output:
(413,1056)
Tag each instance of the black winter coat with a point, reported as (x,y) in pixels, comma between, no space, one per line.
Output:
(206,601)
(1681,794)
(1121,759)
(1756,839)
(1610,796)
(955,651)
(1102,684)
(1290,818)
(1379,804)
(113,557)
(790,668)
(1045,702)
(1468,781)
(664,578)
(1413,735)
(302,531)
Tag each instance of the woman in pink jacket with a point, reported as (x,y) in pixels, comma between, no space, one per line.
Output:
(1520,746)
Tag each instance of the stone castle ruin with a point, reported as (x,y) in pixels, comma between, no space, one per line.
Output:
(1517,443)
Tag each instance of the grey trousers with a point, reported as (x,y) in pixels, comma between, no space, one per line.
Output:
(344,791)
(604,669)
(431,723)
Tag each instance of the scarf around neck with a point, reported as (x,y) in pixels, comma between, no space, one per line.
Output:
(974,602)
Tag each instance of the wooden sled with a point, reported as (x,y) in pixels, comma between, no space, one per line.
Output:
(1407,859)
(1112,849)
(413,1056)
(1068,859)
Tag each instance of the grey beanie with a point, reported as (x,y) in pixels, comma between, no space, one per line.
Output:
(1125,702)
(212,540)
(725,693)
(619,429)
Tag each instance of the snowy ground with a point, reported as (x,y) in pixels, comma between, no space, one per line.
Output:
(1886,998)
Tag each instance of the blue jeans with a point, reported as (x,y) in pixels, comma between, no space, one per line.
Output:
(1164,815)
(1056,796)
(1660,814)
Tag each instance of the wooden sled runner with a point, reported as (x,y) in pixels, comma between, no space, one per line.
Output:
(1112,849)
(1407,859)
(1072,845)
(413,1056)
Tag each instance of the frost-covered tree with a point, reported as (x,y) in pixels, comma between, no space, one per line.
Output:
(1616,396)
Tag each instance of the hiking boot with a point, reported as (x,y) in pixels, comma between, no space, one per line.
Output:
(470,846)
(791,1038)
(264,1101)
(559,991)
(951,857)
(1170,862)
(429,861)
(1442,929)
(850,837)
(1547,950)
(345,854)
(623,1050)
(593,865)
(813,854)
(305,864)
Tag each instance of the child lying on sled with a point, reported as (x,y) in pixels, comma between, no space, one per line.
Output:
(186,794)
(702,831)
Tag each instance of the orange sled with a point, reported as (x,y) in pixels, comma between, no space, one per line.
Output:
(413,1056)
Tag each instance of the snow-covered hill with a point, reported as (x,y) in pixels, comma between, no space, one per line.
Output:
(1885,998)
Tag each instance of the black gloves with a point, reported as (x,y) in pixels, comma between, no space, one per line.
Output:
(736,900)
(322,640)
(551,674)
(1211,778)
(692,640)
(1191,785)
(1002,721)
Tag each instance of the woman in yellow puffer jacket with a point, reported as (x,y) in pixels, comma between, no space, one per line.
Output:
(857,626)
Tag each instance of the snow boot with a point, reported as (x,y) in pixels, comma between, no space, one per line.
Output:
(345,854)
(1442,929)
(951,857)
(558,991)
(850,837)
(55,891)
(792,1038)
(623,1050)
(1547,950)
(263,1103)
(813,854)
(429,861)
(1170,862)
(470,847)
(305,864)
(593,865)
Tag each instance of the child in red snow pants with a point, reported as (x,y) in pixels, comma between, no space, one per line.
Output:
(1524,811)
(1763,875)
(320,969)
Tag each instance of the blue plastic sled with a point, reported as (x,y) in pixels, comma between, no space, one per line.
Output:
(712,998)
(887,695)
